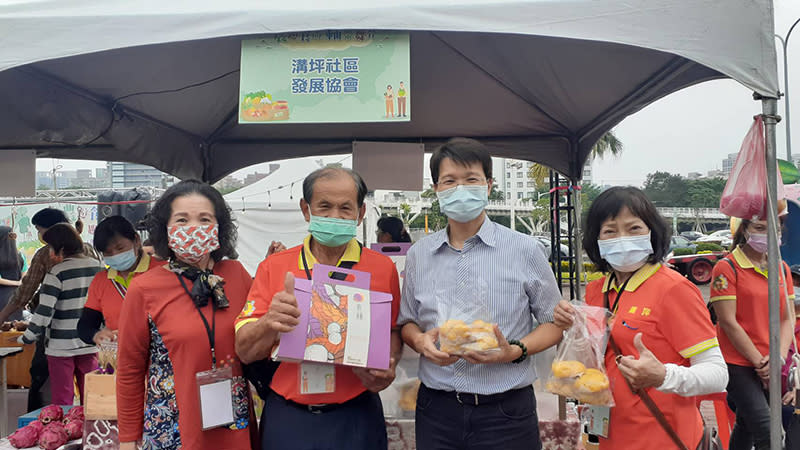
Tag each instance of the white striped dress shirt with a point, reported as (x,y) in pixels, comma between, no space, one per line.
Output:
(500,276)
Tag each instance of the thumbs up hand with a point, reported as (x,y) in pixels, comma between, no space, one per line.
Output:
(283,314)
(644,372)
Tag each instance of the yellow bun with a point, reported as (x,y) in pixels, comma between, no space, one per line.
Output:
(568,369)
(592,380)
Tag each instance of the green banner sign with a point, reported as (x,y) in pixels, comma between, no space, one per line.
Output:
(325,76)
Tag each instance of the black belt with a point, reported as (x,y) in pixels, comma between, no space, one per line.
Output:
(327,407)
(467,398)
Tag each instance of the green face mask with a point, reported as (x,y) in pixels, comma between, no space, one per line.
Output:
(331,231)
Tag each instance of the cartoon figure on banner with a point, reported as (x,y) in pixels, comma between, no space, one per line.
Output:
(327,327)
(402,95)
(24,224)
(388,96)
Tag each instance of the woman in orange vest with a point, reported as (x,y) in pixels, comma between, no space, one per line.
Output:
(121,247)
(663,346)
(739,294)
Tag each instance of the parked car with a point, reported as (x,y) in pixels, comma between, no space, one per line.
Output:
(681,242)
(721,237)
(548,246)
(692,235)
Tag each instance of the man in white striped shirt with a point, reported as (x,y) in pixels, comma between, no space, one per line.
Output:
(476,269)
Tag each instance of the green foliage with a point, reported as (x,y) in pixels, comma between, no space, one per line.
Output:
(666,189)
(496,193)
(705,193)
(670,190)
(683,251)
(709,247)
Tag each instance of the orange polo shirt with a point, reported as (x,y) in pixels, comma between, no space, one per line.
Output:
(106,299)
(269,281)
(747,285)
(671,314)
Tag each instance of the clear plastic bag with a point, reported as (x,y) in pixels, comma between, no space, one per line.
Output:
(745,193)
(578,370)
(465,324)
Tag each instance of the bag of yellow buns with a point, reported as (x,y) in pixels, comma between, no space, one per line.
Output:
(578,371)
(457,337)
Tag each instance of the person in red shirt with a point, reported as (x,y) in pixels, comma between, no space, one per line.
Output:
(667,346)
(121,247)
(348,412)
(739,295)
(176,335)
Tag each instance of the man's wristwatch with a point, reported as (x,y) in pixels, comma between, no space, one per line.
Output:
(522,347)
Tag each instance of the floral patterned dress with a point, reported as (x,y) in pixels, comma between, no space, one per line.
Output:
(163,344)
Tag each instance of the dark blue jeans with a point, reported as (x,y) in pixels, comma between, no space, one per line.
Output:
(355,425)
(445,423)
(749,398)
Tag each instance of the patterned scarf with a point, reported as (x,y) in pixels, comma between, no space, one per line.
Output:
(205,284)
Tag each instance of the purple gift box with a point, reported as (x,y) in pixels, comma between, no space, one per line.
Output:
(325,304)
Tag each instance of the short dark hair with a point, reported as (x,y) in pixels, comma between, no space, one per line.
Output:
(110,228)
(608,205)
(48,217)
(162,210)
(64,238)
(395,228)
(462,151)
(739,237)
(330,172)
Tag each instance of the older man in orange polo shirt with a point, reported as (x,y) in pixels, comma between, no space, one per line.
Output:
(348,413)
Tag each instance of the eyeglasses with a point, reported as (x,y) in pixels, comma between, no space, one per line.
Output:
(452,182)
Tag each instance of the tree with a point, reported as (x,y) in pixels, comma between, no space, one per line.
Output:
(608,144)
(436,220)
(705,193)
(496,193)
(666,189)
(589,193)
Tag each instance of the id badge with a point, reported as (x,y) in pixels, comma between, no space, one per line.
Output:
(597,419)
(216,397)
(317,378)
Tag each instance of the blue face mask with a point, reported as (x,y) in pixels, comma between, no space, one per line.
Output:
(626,254)
(121,261)
(332,231)
(464,203)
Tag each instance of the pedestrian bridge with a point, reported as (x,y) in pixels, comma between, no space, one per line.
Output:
(520,207)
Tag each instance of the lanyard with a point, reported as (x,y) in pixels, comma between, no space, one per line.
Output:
(619,293)
(212,330)
(121,290)
(305,263)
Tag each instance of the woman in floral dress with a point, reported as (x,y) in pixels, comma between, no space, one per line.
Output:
(171,316)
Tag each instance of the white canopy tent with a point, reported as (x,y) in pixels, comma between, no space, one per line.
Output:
(156,82)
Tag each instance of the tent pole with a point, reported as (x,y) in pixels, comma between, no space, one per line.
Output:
(577,238)
(770,111)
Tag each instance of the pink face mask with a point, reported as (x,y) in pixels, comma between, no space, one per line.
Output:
(191,243)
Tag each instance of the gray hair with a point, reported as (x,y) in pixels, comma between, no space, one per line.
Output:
(331,172)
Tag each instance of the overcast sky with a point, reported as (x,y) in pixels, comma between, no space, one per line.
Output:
(692,130)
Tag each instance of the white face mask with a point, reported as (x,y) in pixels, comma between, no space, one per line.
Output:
(626,254)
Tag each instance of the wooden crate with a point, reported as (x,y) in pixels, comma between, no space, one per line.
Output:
(100,391)
(18,366)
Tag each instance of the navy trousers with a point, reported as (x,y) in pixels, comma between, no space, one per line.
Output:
(355,425)
(447,422)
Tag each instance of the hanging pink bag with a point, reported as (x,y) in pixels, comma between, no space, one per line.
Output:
(745,194)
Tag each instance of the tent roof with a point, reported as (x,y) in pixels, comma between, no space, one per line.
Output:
(157,82)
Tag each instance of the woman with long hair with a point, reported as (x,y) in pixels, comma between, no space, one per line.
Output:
(11,263)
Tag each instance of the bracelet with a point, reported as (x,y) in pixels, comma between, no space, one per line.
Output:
(524,349)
